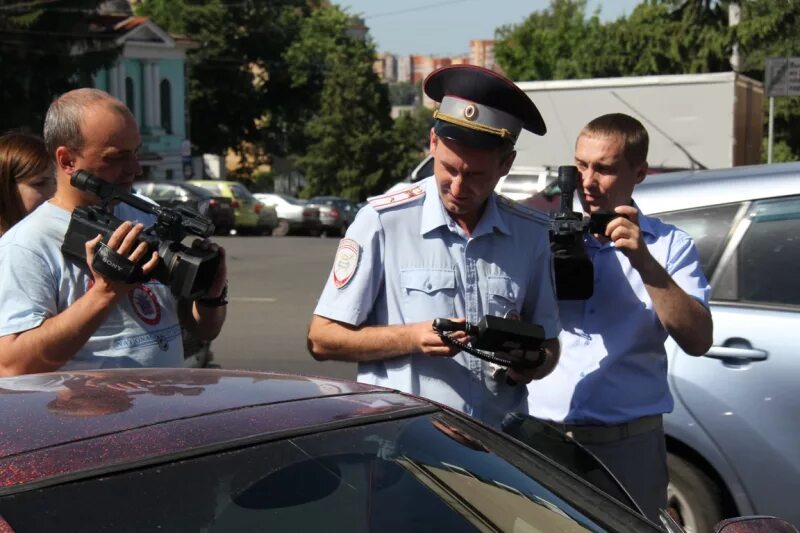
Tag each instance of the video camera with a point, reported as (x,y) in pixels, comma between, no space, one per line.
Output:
(573,270)
(496,334)
(188,271)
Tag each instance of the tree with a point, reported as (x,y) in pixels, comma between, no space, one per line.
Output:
(769,29)
(240,92)
(46,51)
(350,137)
(544,46)
(659,37)
(403,93)
(411,136)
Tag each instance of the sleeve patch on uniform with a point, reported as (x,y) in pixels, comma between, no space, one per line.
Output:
(346,262)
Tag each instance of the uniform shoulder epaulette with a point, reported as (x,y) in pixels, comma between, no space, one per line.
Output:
(403,196)
(507,204)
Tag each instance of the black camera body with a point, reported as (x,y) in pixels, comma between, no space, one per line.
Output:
(572,268)
(188,270)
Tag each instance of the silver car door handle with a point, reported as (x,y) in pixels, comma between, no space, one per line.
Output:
(725,352)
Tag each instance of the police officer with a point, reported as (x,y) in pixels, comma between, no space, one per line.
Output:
(445,247)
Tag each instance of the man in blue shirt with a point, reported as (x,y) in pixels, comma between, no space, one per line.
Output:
(610,388)
(57,313)
(446,247)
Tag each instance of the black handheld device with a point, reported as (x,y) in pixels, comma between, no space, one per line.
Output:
(494,334)
(187,270)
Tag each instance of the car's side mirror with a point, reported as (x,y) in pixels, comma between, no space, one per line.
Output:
(755,524)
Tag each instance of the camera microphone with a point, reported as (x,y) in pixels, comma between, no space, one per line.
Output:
(567,182)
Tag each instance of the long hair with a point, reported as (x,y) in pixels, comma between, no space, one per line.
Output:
(22,157)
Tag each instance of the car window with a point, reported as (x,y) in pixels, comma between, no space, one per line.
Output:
(213,188)
(142,188)
(425,473)
(763,269)
(521,183)
(709,227)
(162,191)
(292,200)
(240,192)
(269,199)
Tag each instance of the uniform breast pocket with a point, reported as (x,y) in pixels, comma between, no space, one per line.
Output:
(503,295)
(429,293)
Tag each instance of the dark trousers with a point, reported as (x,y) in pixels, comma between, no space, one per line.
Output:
(638,462)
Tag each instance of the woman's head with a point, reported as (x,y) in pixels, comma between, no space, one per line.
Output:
(26,176)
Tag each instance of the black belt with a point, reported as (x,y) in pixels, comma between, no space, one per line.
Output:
(605,434)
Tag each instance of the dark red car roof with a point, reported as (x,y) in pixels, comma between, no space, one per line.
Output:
(60,424)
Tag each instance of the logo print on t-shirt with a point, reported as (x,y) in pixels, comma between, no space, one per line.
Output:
(145,304)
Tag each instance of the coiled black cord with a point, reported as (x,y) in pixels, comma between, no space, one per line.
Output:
(481,354)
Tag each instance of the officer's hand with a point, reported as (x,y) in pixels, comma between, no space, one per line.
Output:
(221,276)
(626,235)
(121,241)
(523,376)
(429,342)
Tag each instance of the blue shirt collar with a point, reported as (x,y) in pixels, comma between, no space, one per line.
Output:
(434,215)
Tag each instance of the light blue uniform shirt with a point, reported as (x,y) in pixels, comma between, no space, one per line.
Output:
(416,264)
(613,366)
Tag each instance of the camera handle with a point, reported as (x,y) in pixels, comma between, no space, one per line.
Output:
(114,266)
(442,326)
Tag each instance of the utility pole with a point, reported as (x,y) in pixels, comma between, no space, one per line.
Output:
(734,16)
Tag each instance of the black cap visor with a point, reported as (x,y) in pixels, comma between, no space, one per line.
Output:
(468,137)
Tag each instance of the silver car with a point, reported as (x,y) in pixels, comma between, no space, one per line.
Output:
(734,436)
(336,213)
(294,216)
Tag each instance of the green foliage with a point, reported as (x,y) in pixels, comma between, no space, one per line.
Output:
(545,46)
(350,139)
(659,37)
(46,49)
(769,28)
(263,182)
(404,93)
(562,42)
(411,135)
(239,87)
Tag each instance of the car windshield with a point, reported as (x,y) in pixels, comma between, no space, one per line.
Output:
(424,473)
(291,199)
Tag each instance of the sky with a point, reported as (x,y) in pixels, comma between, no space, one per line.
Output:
(445,27)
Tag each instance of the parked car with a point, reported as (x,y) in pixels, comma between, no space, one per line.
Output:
(294,216)
(176,193)
(216,450)
(219,450)
(247,210)
(335,213)
(734,436)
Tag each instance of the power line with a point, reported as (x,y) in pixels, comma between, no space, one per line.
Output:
(413,9)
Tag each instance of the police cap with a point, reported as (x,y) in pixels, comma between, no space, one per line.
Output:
(479,107)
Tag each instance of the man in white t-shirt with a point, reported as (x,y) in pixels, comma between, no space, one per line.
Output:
(57,313)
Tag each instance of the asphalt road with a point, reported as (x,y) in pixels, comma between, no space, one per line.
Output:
(273,287)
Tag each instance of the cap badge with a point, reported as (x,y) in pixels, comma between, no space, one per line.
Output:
(470,112)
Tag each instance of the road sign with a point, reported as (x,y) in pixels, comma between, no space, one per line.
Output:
(782,76)
(793,78)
